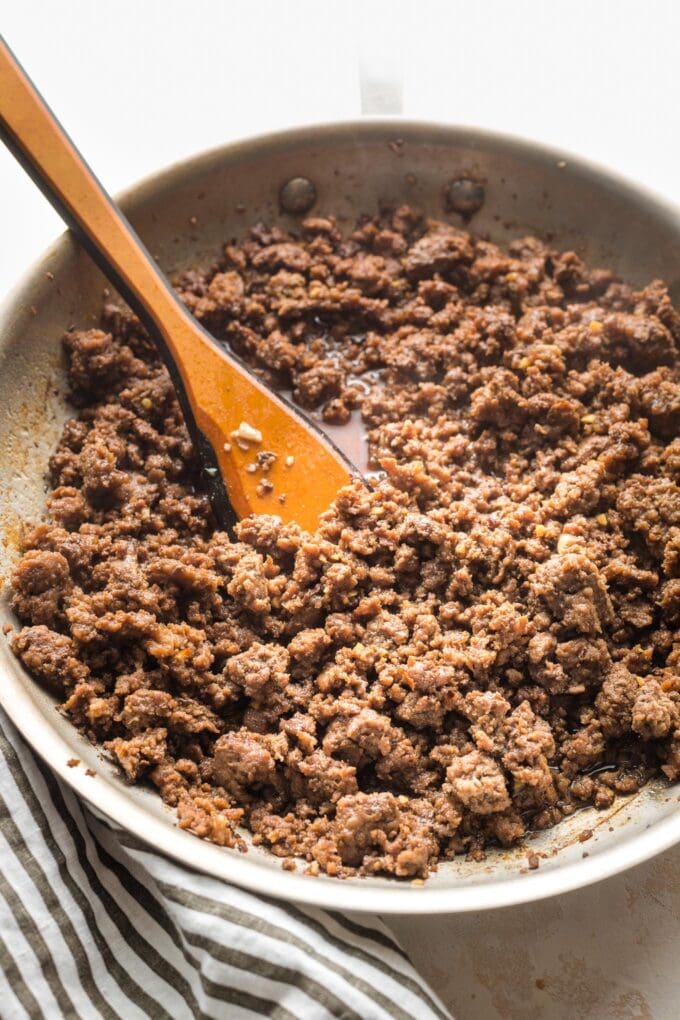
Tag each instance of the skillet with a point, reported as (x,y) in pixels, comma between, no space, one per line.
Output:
(506,188)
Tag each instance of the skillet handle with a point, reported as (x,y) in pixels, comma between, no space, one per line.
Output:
(380,59)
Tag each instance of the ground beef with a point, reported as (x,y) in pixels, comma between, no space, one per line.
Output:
(477,782)
(476,647)
(40,584)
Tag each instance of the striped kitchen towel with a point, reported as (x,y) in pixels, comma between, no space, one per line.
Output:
(94,924)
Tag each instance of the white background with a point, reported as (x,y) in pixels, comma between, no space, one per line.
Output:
(141,83)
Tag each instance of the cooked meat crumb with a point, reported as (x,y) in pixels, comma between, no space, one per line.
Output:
(478,646)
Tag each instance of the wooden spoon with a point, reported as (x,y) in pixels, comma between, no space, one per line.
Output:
(232,415)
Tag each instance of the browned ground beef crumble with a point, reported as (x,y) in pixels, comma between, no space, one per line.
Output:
(473,650)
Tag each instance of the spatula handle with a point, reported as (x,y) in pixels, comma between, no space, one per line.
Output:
(37,139)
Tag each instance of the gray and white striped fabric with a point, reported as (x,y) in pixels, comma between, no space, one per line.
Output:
(94,924)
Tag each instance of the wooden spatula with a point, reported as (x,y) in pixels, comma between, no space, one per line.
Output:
(232,415)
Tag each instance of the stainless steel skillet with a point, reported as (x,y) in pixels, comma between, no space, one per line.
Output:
(184,214)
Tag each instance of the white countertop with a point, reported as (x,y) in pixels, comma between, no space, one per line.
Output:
(607,952)
(141,84)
